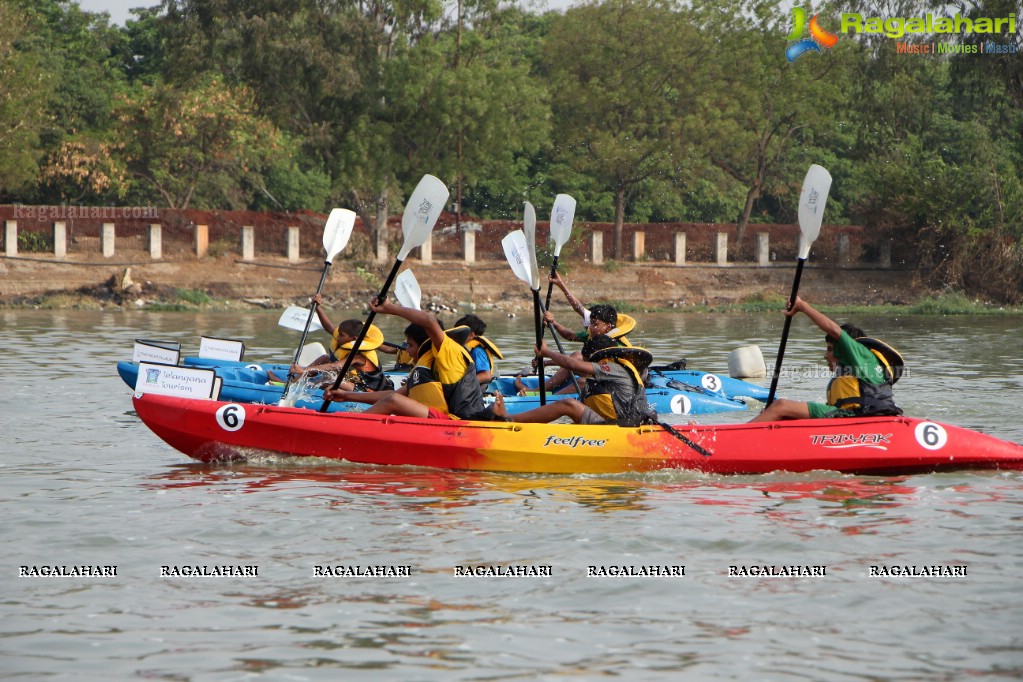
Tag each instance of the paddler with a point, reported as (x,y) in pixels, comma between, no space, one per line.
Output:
(865,370)
(601,320)
(443,383)
(613,392)
(484,352)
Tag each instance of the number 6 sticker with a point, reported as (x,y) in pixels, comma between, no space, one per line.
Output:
(231,417)
(930,435)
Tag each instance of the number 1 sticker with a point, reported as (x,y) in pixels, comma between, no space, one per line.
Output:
(930,435)
(231,417)
(680,404)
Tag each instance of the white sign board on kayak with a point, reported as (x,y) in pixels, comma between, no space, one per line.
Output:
(164,352)
(182,382)
(213,348)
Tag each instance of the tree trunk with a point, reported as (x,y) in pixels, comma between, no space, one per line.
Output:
(380,233)
(747,211)
(617,248)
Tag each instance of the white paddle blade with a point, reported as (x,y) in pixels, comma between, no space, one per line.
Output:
(294,318)
(529,229)
(517,252)
(337,231)
(421,213)
(406,289)
(310,352)
(816,186)
(562,215)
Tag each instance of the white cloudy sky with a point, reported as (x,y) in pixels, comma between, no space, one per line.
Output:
(119,9)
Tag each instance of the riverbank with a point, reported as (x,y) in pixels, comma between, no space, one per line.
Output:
(227,282)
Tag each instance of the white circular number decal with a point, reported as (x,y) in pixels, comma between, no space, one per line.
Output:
(930,435)
(711,382)
(231,417)
(253,366)
(680,404)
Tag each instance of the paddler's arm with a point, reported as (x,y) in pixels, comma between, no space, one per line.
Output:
(420,317)
(561,329)
(572,300)
(391,348)
(825,323)
(342,396)
(322,314)
(575,364)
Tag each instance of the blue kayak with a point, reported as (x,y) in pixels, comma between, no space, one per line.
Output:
(685,380)
(665,399)
(241,383)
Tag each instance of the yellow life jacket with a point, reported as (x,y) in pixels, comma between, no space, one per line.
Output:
(461,397)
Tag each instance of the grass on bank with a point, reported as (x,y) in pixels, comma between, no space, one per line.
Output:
(949,303)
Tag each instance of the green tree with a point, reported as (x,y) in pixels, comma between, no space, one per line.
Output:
(197,145)
(764,116)
(24,89)
(624,76)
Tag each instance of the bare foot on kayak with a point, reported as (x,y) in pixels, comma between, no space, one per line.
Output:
(500,411)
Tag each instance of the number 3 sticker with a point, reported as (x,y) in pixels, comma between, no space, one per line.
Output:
(711,382)
(231,417)
(930,435)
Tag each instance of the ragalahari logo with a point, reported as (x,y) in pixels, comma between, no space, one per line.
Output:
(818,36)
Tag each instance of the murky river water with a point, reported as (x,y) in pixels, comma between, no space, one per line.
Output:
(86,484)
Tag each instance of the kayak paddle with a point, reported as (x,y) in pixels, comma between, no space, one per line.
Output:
(562,215)
(422,210)
(336,233)
(407,291)
(516,250)
(816,186)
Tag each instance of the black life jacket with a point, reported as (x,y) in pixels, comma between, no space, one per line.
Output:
(613,402)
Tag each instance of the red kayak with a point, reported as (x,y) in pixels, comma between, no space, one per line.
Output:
(210,430)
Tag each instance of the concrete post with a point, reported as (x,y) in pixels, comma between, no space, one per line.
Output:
(202,240)
(248,243)
(426,251)
(11,238)
(886,254)
(106,240)
(680,248)
(155,241)
(763,249)
(60,239)
(292,244)
(469,246)
(722,248)
(843,249)
(638,245)
(597,248)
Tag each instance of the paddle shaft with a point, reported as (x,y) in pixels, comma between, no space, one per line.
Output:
(538,326)
(785,333)
(561,349)
(550,285)
(546,305)
(305,331)
(685,439)
(362,334)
